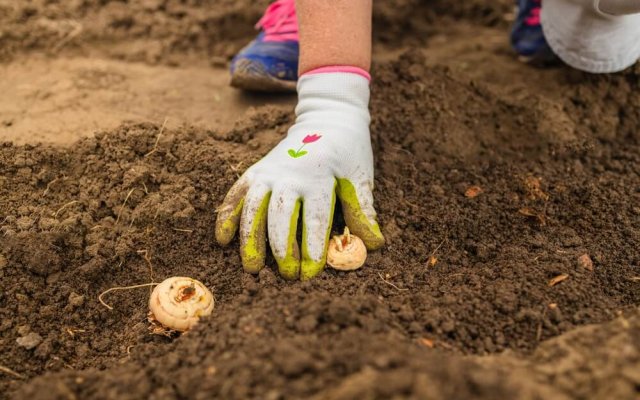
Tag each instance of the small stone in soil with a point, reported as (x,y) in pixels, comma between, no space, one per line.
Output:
(75,299)
(473,191)
(558,279)
(585,262)
(23,330)
(29,341)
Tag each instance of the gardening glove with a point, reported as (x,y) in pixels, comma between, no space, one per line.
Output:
(327,152)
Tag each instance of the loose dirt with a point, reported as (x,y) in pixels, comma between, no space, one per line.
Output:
(493,180)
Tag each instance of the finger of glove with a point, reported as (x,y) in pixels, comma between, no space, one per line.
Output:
(317,217)
(359,214)
(253,226)
(282,225)
(230,210)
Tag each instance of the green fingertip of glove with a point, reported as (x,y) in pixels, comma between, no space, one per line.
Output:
(355,218)
(309,268)
(289,266)
(253,252)
(226,226)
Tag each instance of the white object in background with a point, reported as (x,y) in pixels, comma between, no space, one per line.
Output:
(617,7)
(597,36)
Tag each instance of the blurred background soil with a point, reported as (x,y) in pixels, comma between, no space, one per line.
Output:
(510,198)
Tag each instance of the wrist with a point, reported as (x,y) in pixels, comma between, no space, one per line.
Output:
(336,100)
(340,99)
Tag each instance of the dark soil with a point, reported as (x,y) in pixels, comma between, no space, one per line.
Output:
(457,305)
(79,221)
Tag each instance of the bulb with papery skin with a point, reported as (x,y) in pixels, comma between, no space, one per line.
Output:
(178,303)
(346,252)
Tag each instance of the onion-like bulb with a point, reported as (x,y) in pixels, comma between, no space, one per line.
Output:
(179,302)
(346,252)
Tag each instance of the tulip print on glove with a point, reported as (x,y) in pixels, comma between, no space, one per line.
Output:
(307,139)
(326,153)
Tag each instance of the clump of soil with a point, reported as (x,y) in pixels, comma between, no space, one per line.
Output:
(460,275)
(152,31)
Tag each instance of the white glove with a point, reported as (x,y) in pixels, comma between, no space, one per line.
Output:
(597,36)
(326,152)
(617,7)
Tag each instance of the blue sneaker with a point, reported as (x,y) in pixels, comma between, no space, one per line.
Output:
(270,62)
(527,37)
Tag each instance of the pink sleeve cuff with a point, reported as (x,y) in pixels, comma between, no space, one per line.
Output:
(339,68)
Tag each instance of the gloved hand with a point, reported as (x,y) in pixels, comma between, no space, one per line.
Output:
(326,152)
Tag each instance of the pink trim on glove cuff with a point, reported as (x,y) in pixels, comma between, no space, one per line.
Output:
(340,68)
